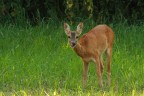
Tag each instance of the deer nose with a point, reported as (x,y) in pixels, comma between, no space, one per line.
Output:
(73,43)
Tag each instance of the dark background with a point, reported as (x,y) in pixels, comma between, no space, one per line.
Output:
(35,11)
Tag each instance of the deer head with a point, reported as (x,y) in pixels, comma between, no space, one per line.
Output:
(73,35)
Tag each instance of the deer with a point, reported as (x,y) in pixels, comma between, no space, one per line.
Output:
(91,47)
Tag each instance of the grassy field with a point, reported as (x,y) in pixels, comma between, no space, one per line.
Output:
(38,61)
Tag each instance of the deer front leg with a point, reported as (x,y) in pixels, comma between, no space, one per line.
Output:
(85,71)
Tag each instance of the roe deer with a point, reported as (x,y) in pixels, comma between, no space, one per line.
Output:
(91,47)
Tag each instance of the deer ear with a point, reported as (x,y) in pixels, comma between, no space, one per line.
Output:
(67,29)
(79,28)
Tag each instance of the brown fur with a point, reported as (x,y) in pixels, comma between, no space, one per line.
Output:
(91,47)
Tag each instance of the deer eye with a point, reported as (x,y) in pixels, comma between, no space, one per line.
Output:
(76,37)
(68,36)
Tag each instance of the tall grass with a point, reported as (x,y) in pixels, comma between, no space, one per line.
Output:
(38,61)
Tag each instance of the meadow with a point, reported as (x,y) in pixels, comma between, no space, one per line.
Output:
(38,61)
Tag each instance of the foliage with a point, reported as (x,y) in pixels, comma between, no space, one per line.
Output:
(36,11)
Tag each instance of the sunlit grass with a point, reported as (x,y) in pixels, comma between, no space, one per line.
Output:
(38,61)
(65,92)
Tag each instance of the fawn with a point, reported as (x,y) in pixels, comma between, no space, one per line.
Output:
(91,46)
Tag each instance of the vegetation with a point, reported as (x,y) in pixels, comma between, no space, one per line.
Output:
(18,11)
(38,61)
(35,57)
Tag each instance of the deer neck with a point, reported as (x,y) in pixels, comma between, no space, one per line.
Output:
(79,49)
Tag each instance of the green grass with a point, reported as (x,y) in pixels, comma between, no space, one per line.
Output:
(38,61)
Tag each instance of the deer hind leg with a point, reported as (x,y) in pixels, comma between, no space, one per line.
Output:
(109,55)
(98,70)
(85,71)
(101,64)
